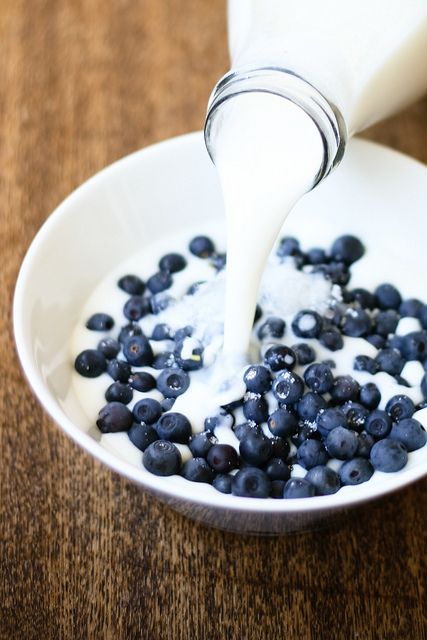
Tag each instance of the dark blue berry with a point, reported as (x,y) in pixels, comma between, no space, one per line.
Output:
(389,455)
(365,363)
(160,281)
(298,488)
(189,354)
(307,324)
(164,360)
(277,488)
(114,417)
(255,448)
(183,332)
(330,419)
(129,331)
(277,469)
(341,443)
(218,260)
(388,297)
(411,432)
(142,435)
(221,419)
(395,342)
(332,339)
(222,483)
(422,316)
(356,471)
(390,361)
(319,378)
(356,415)
(347,249)
(223,458)
(251,482)
(311,453)
(344,388)
(272,329)
(424,386)
(162,458)
(282,423)
(288,246)
(324,479)
(316,256)
(138,351)
(386,322)
(136,308)
(174,426)
(241,431)
(132,285)
(162,331)
(410,308)
(379,342)
(378,424)
(336,272)
(255,408)
(414,345)
(365,298)
(142,381)
(167,403)
(279,357)
(202,247)
(304,352)
(370,395)
(257,379)
(279,448)
(200,443)
(159,302)
(172,262)
(356,323)
(258,313)
(365,442)
(90,363)
(197,470)
(195,287)
(100,322)
(400,407)
(119,392)
(310,405)
(305,431)
(288,387)
(173,382)
(147,410)
(109,347)
(119,370)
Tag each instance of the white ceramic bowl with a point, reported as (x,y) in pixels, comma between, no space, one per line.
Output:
(376,193)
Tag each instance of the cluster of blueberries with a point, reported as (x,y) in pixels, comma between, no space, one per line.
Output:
(324,416)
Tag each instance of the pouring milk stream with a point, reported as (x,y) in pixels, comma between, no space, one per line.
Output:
(305,75)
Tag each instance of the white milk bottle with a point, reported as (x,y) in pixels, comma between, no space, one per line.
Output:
(305,75)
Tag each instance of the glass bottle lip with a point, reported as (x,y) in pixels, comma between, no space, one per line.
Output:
(289,85)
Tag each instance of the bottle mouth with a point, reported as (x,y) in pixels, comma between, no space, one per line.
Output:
(290,86)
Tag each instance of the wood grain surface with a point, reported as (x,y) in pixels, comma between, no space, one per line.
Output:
(84,553)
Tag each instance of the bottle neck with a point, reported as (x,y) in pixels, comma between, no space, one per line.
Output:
(290,86)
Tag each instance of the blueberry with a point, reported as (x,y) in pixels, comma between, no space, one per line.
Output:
(109,347)
(162,331)
(319,378)
(288,387)
(288,246)
(356,471)
(218,261)
(201,443)
(332,339)
(390,361)
(192,289)
(197,470)
(90,363)
(142,435)
(277,469)
(119,392)
(279,357)
(370,395)
(379,342)
(147,410)
(279,448)
(400,407)
(410,308)
(305,431)
(386,322)
(100,322)
(189,354)
(167,403)
(132,285)
(137,351)
(174,426)
(395,342)
(389,455)
(222,483)
(347,249)
(164,360)
(136,308)
(129,331)
(258,313)
(114,417)
(282,423)
(336,272)
(160,281)
(119,370)
(311,453)
(378,424)
(255,408)
(223,458)
(142,381)
(388,297)
(424,386)
(307,324)
(162,458)
(304,352)
(330,419)
(422,316)
(159,302)
(298,488)
(257,379)
(277,488)
(316,256)
(344,388)
(202,247)
(414,345)
(365,298)
(272,329)
(255,448)
(241,431)
(310,405)
(365,363)
(365,442)
(341,443)
(172,262)
(411,432)
(173,382)
(324,479)
(356,323)
(355,414)
(251,482)
(184,332)
(221,419)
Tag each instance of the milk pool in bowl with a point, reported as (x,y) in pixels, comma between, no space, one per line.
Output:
(127,207)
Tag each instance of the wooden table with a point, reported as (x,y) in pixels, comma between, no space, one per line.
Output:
(84,553)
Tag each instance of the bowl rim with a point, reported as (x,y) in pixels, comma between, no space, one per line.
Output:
(160,485)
